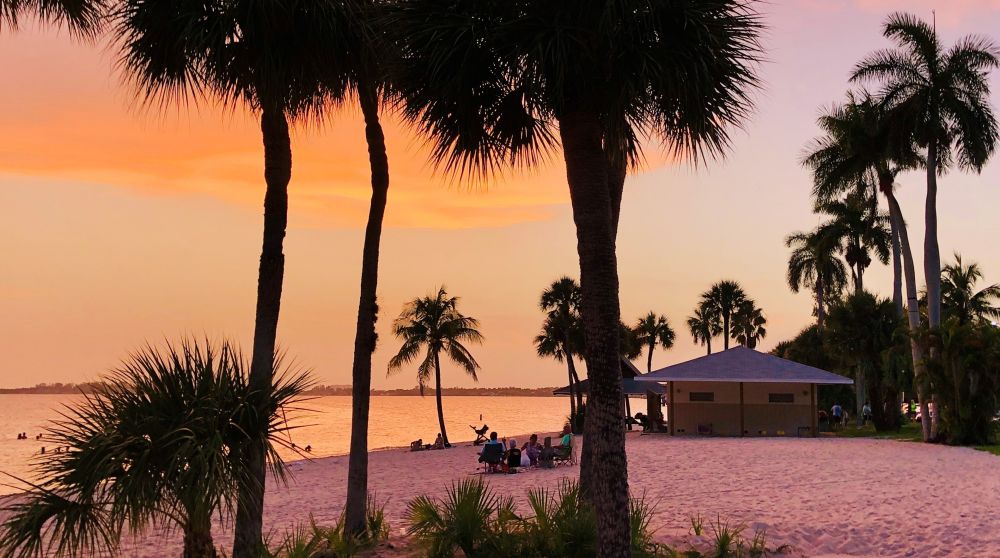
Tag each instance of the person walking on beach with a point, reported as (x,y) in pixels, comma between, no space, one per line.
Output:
(866,413)
(838,414)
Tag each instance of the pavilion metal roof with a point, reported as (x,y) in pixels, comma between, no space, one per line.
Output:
(629,385)
(741,364)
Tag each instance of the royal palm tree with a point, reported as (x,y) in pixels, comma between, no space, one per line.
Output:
(941,98)
(724,299)
(502,83)
(959,297)
(862,230)
(704,325)
(652,331)
(861,139)
(556,340)
(81,17)
(158,442)
(814,264)
(749,324)
(433,324)
(282,62)
(561,302)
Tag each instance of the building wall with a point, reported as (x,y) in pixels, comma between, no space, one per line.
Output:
(761,417)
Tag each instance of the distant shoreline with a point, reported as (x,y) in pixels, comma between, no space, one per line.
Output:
(339,390)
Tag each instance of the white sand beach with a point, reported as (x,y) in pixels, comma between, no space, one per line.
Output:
(824,497)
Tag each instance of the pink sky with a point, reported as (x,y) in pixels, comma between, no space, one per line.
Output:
(121,226)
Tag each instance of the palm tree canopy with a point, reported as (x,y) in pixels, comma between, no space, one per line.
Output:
(858,140)
(858,223)
(560,335)
(487,79)
(941,95)
(704,324)
(959,297)
(814,257)
(749,324)
(290,56)
(653,330)
(81,17)
(435,324)
(724,297)
(562,297)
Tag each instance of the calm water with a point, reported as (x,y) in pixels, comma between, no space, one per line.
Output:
(395,421)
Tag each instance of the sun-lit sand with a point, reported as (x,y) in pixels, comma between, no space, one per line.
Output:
(824,497)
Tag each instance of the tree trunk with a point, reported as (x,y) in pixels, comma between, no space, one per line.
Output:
(576,379)
(649,359)
(572,395)
(603,467)
(912,307)
(932,256)
(897,267)
(198,541)
(725,331)
(860,389)
(437,396)
(708,341)
(277,173)
(365,336)
(820,310)
(859,287)
(616,185)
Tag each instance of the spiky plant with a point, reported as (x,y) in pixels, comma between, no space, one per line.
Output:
(160,441)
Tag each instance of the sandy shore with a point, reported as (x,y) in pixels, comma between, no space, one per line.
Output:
(824,497)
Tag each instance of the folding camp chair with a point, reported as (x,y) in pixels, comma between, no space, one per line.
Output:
(491,457)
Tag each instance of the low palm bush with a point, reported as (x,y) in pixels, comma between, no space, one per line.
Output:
(316,541)
(471,518)
(160,441)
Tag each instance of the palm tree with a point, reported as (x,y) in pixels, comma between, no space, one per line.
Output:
(814,264)
(159,441)
(704,325)
(652,330)
(941,98)
(561,302)
(503,83)
(434,323)
(81,17)
(556,340)
(959,297)
(280,60)
(369,85)
(862,139)
(748,324)
(862,229)
(724,299)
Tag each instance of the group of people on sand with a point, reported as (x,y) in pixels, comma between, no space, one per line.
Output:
(419,445)
(24,436)
(528,454)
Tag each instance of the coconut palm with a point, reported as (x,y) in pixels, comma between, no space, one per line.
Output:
(160,441)
(560,332)
(861,139)
(749,324)
(652,331)
(862,230)
(704,325)
(561,301)
(941,98)
(283,62)
(433,324)
(814,264)
(724,299)
(499,83)
(959,297)
(81,17)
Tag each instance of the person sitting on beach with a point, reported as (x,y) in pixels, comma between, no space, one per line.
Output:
(567,436)
(512,458)
(532,448)
(438,442)
(417,445)
(493,438)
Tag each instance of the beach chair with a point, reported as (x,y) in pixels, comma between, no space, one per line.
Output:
(480,434)
(546,457)
(491,457)
(564,454)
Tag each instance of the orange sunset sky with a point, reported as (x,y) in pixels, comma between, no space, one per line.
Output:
(121,225)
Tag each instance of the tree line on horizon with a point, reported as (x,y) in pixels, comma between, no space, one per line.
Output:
(494,85)
(931,111)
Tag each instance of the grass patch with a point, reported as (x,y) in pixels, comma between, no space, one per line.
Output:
(994,449)
(908,433)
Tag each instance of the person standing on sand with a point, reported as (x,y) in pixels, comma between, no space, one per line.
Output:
(838,414)
(866,413)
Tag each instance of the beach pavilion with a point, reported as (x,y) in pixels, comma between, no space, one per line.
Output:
(652,391)
(742,392)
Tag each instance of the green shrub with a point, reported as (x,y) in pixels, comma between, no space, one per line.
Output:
(471,518)
(316,540)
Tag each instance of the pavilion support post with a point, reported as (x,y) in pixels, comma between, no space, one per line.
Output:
(812,407)
(742,420)
(628,412)
(654,409)
(670,407)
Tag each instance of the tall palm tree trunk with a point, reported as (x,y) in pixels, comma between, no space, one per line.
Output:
(820,310)
(912,308)
(708,341)
(365,336)
(572,395)
(576,379)
(649,359)
(725,331)
(897,267)
(859,286)
(437,396)
(603,467)
(932,260)
(277,173)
